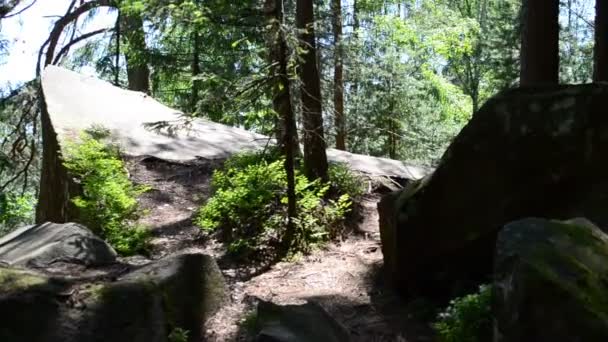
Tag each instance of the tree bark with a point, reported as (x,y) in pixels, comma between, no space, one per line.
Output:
(282,105)
(195,69)
(138,72)
(117,28)
(56,187)
(600,53)
(315,157)
(339,121)
(540,42)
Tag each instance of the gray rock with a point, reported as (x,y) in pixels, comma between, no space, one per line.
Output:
(42,245)
(297,323)
(534,152)
(551,282)
(143,306)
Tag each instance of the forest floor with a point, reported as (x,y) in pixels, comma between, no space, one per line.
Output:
(343,277)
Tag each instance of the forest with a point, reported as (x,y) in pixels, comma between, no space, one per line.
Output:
(303,170)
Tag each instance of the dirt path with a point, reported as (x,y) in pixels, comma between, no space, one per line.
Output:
(343,277)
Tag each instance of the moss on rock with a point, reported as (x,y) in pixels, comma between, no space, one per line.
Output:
(551,281)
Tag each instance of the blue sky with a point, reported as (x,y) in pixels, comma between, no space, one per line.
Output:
(26,33)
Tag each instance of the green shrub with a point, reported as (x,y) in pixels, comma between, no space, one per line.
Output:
(467,319)
(345,181)
(15,210)
(108,204)
(178,335)
(249,205)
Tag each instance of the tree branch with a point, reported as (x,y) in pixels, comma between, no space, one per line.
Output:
(18,12)
(64,21)
(64,50)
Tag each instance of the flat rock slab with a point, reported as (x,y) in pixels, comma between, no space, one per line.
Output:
(144,126)
(44,244)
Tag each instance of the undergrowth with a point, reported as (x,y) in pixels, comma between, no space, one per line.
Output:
(108,204)
(467,319)
(249,204)
(15,209)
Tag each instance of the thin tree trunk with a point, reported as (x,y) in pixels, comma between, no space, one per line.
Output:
(138,72)
(195,69)
(315,157)
(340,121)
(117,53)
(282,105)
(600,70)
(540,42)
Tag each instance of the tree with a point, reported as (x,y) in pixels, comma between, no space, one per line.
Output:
(338,77)
(315,157)
(136,54)
(600,57)
(282,105)
(540,42)
(55,190)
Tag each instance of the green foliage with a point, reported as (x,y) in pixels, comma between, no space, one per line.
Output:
(345,181)
(467,319)
(249,204)
(108,204)
(15,209)
(178,335)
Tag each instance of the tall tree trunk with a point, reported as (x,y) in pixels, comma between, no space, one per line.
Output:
(138,72)
(600,55)
(117,52)
(339,121)
(540,42)
(195,69)
(282,105)
(56,187)
(315,157)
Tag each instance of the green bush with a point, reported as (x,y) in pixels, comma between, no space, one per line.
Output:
(249,205)
(108,204)
(467,319)
(15,210)
(178,335)
(345,181)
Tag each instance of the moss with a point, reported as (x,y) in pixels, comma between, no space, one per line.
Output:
(576,265)
(15,280)
(95,291)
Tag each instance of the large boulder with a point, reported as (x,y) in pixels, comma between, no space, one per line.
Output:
(142,126)
(297,323)
(147,305)
(528,152)
(44,244)
(551,282)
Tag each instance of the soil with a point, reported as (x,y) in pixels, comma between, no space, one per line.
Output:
(344,277)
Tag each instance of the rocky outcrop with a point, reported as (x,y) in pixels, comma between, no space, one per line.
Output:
(44,244)
(551,282)
(142,126)
(297,323)
(527,152)
(147,305)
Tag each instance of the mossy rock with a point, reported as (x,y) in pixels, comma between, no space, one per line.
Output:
(178,292)
(551,282)
(533,152)
(30,308)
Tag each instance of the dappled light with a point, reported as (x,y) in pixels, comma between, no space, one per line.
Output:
(303,171)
